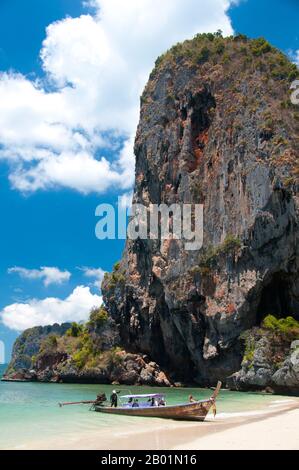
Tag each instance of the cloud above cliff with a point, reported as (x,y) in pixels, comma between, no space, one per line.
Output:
(54,131)
(49,275)
(95,274)
(75,307)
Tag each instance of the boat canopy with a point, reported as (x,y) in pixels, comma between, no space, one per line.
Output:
(146,395)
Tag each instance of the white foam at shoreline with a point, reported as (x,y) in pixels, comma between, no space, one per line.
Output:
(279,404)
(274,404)
(240,414)
(283,401)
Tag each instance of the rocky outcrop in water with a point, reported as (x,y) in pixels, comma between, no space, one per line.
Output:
(73,353)
(27,347)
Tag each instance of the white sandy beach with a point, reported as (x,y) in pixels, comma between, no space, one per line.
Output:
(276,427)
(271,432)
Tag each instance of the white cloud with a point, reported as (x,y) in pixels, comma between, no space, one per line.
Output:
(94,273)
(49,275)
(125,200)
(78,171)
(294,56)
(96,67)
(75,307)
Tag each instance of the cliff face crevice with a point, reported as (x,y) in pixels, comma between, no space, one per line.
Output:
(214,132)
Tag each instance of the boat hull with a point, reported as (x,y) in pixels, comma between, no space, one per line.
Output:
(196,411)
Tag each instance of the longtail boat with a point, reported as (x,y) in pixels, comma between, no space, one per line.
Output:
(154,406)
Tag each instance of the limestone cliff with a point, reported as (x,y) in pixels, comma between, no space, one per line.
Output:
(216,127)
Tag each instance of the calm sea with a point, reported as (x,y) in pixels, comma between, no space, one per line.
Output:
(29,412)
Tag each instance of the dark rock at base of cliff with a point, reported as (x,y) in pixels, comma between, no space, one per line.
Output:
(133,370)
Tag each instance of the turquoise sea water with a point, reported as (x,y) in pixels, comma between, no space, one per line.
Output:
(29,411)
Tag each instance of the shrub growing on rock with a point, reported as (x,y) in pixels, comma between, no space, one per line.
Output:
(49,344)
(286,326)
(260,46)
(98,317)
(75,330)
(208,258)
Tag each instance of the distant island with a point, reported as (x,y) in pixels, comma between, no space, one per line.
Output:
(217,127)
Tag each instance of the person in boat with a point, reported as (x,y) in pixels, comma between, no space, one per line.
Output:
(151,401)
(192,399)
(135,404)
(113,399)
(161,402)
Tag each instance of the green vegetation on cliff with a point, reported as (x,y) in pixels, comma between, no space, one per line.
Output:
(275,335)
(288,327)
(209,257)
(75,330)
(116,278)
(98,317)
(256,53)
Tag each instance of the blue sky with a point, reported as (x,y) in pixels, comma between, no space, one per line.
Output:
(48,209)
